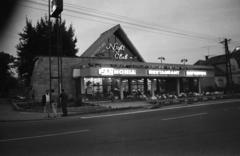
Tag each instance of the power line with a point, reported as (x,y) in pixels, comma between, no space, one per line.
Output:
(136,20)
(186,37)
(139,25)
(132,19)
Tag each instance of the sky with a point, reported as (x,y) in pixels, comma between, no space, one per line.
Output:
(173,29)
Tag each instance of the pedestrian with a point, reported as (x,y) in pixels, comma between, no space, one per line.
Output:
(46,104)
(111,95)
(64,100)
(33,95)
(54,101)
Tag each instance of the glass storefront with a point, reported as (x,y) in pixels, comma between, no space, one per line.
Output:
(137,85)
(188,85)
(99,88)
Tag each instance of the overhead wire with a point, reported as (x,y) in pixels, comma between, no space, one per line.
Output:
(176,34)
(127,18)
(136,20)
(136,24)
(185,37)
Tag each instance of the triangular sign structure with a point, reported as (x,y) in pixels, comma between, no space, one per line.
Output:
(113,44)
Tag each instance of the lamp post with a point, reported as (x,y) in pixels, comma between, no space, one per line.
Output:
(133,57)
(236,49)
(184,60)
(161,58)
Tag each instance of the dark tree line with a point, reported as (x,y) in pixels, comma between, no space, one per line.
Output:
(34,41)
(7,79)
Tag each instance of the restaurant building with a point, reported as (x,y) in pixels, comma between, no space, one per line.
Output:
(112,63)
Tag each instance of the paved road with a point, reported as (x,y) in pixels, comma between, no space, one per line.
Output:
(203,130)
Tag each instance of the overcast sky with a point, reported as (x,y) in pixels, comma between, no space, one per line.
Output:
(175,21)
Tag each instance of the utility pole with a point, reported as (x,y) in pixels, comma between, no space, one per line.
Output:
(228,66)
(55,7)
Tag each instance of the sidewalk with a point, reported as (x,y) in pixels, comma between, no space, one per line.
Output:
(8,114)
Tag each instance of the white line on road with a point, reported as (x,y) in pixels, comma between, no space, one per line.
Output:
(186,116)
(41,136)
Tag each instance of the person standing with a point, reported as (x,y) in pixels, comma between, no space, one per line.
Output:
(111,95)
(46,104)
(54,101)
(64,100)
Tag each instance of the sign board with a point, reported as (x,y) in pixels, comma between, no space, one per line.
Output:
(113,71)
(117,50)
(163,72)
(56,7)
(76,73)
(196,73)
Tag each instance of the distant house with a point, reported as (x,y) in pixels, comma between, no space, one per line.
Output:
(219,63)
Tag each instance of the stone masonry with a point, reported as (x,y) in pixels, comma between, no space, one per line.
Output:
(40,79)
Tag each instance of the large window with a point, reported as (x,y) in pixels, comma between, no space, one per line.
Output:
(93,85)
(137,85)
(125,85)
(220,83)
(101,86)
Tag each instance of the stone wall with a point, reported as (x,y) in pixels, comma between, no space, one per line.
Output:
(40,79)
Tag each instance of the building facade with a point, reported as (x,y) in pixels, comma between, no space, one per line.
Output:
(113,64)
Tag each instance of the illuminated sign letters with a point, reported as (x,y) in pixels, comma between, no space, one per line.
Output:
(112,71)
(117,49)
(196,73)
(163,72)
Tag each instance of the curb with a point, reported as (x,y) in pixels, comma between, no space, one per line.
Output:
(14,120)
(113,110)
(39,119)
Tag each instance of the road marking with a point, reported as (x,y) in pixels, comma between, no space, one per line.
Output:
(42,136)
(186,116)
(155,110)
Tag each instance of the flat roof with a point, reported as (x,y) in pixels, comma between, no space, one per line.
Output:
(89,62)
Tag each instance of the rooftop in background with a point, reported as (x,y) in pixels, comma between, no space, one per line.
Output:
(220,59)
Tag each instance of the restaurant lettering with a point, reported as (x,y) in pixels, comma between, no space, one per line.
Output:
(112,71)
(163,72)
(117,49)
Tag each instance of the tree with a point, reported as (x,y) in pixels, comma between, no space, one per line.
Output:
(7,79)
(34,41)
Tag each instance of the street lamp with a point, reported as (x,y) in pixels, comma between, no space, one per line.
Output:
(236,49)
(184,60)
(161,58)
(133,57)
(229,68)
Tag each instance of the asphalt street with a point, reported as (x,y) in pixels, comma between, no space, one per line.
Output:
(199,130)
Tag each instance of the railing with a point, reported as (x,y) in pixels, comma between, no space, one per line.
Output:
(191,99)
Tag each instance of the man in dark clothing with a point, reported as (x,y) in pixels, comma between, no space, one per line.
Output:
(64,100)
